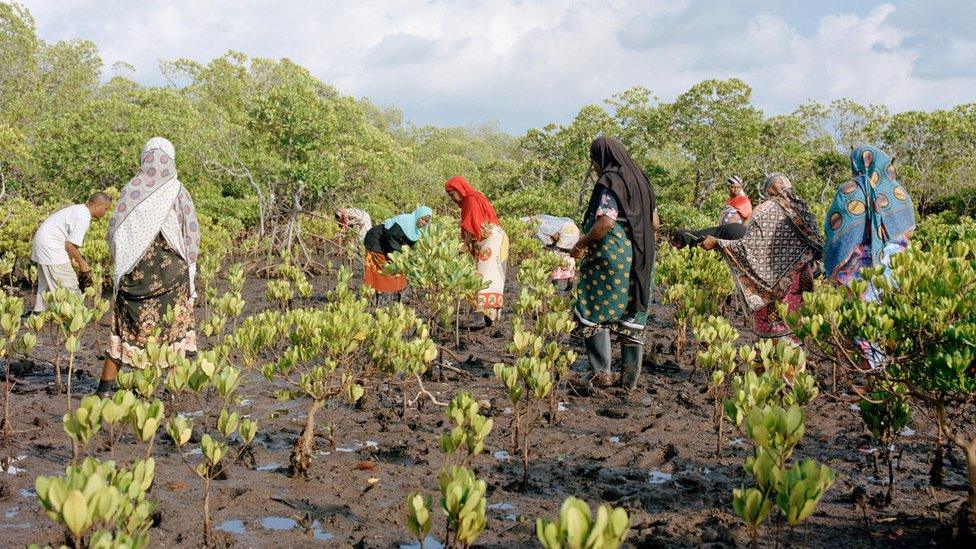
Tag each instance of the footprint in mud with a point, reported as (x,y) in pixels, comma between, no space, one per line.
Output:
(611,413)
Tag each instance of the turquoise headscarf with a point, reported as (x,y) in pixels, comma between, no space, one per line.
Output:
(872,200)
(408,222)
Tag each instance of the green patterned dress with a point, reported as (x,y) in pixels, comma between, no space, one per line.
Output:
(605,293)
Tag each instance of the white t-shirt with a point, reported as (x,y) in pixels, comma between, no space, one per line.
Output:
(64,225)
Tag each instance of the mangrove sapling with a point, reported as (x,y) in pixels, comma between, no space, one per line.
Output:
(439,270)
(100,502)
(695,281)
(885,413)
(470,430)
(11,309)
(462,495)
(718,358)
(540,311)
(923,324)
(527,384)
(400,345)
(318,361)
(576,527)
(69,315)
(214,450)
(463,503)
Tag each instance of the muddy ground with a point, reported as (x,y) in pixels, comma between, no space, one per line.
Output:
(651,451)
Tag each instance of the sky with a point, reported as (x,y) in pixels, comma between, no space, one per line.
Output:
(523,64)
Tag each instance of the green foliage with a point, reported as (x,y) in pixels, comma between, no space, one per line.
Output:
(463,502)
(695,281)
(470,431)
(577,528)
(95,499)
(439,271)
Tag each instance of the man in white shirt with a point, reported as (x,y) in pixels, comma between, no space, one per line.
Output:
(57,243)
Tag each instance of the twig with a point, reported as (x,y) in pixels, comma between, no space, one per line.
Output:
(424,391)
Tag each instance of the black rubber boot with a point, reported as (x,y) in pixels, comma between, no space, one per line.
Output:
(106,388)
(598,353)
(632,356)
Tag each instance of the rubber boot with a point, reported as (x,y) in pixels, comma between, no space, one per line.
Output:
(598,353)
(632,356)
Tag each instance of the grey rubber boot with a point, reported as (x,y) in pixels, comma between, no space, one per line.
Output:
(632,356)
(598,353)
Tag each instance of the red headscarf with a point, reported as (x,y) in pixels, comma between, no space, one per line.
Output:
(475,208)
(742,204)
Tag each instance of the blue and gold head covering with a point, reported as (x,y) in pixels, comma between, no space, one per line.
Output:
(870,209)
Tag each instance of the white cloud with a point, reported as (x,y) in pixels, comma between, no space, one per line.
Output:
(528,63)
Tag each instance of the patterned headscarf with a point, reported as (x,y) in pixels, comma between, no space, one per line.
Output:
(871,209)
(143,206)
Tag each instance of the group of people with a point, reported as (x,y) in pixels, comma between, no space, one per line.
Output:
(481,231)
(773,251)
(154,239)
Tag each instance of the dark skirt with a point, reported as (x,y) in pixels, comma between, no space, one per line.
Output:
(159,281)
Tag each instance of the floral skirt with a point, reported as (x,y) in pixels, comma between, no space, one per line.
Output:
(374,278)
(158,282)
(492,262)
(767,321)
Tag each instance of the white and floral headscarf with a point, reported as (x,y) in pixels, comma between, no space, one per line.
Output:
(153,201)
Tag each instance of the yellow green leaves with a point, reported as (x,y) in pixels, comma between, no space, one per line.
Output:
(463,503)
(213,451)
(751,506)
(576,528)
(470,430)
(418,515)
(509,375)
(118,408)
(85,421)
(803,486)
(247,430)
(146,419)
(179,430)
(97,495)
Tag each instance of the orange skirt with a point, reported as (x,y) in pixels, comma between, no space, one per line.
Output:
(375,279)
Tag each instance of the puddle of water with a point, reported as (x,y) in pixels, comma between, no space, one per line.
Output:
(614,440)
(510,518)
(195,452)
(429,543)
(23,525)
(278,523)
(737,442)
(247,402)
(28,493)
(269,467)
(501,455)
(562,407)
(318,533)
(185,415)
(855,408)
(346,450)
(372,444)
(507,411)
(232,526)
(501,507)
(12,512)
(907,432)
(657,477)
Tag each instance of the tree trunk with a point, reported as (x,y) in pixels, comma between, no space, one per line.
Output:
(965,530)
(301,455)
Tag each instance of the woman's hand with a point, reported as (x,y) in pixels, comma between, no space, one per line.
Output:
(577,251)
(710,243)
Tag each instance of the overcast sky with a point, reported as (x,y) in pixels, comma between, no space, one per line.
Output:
(526,63)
